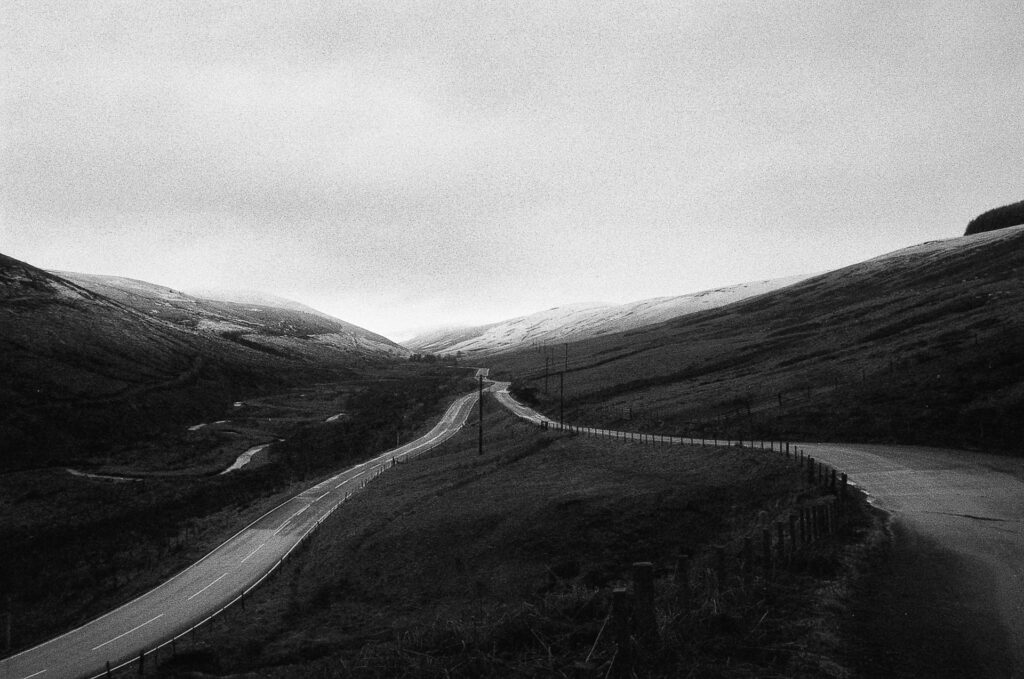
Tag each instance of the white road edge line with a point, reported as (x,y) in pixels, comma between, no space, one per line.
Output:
(253,552)
(454,409)
(207,587)
(33,675)
(96,648)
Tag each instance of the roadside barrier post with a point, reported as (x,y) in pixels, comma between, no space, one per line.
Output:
(792,535)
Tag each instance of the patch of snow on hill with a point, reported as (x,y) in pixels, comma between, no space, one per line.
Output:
(580,321)
(256,297)
(221,327)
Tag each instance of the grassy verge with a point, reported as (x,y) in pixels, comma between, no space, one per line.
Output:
(75,547)
(459,565)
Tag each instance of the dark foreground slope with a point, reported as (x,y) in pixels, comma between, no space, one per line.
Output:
(920,346)
(461,565)
(83,369)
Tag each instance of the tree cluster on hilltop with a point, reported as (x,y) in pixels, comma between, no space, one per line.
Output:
(997,218)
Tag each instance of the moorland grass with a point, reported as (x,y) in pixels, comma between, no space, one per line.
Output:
(75,547)
(461,565)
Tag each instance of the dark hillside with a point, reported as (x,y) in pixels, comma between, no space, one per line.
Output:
(83,370)
(920,346)
(998,218)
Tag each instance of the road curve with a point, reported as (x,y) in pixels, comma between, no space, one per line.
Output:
(970,503)
(218,579)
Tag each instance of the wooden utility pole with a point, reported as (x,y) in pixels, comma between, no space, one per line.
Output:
(561,398)
(546,361)
(480,397)
(10,616)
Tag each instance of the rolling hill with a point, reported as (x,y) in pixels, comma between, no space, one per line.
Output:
(922,345)
(91,360)
(264,322)
(582,321)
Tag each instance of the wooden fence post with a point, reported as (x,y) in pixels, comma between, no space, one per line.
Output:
(780,536)
(643,591)
(810,470)
(719,569)
(683,579)
(622,664)
(766,550)
(747,560)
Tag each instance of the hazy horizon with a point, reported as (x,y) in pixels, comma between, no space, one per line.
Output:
(420,164)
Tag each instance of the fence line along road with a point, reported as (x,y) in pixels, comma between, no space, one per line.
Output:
(500,390)
(204,590)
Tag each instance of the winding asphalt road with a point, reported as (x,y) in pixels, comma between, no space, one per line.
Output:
(969,503)
(218,579)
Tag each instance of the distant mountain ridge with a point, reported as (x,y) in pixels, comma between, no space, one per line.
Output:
(255,297)
(583,321)
(238,314)
(90,360)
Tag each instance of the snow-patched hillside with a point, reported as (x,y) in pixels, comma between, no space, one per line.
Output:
(283,324)
(580,321)
(254,297)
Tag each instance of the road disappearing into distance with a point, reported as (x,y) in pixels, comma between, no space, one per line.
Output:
(218,579)
(969,503)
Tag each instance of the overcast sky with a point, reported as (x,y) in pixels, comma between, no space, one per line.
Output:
(404,165)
